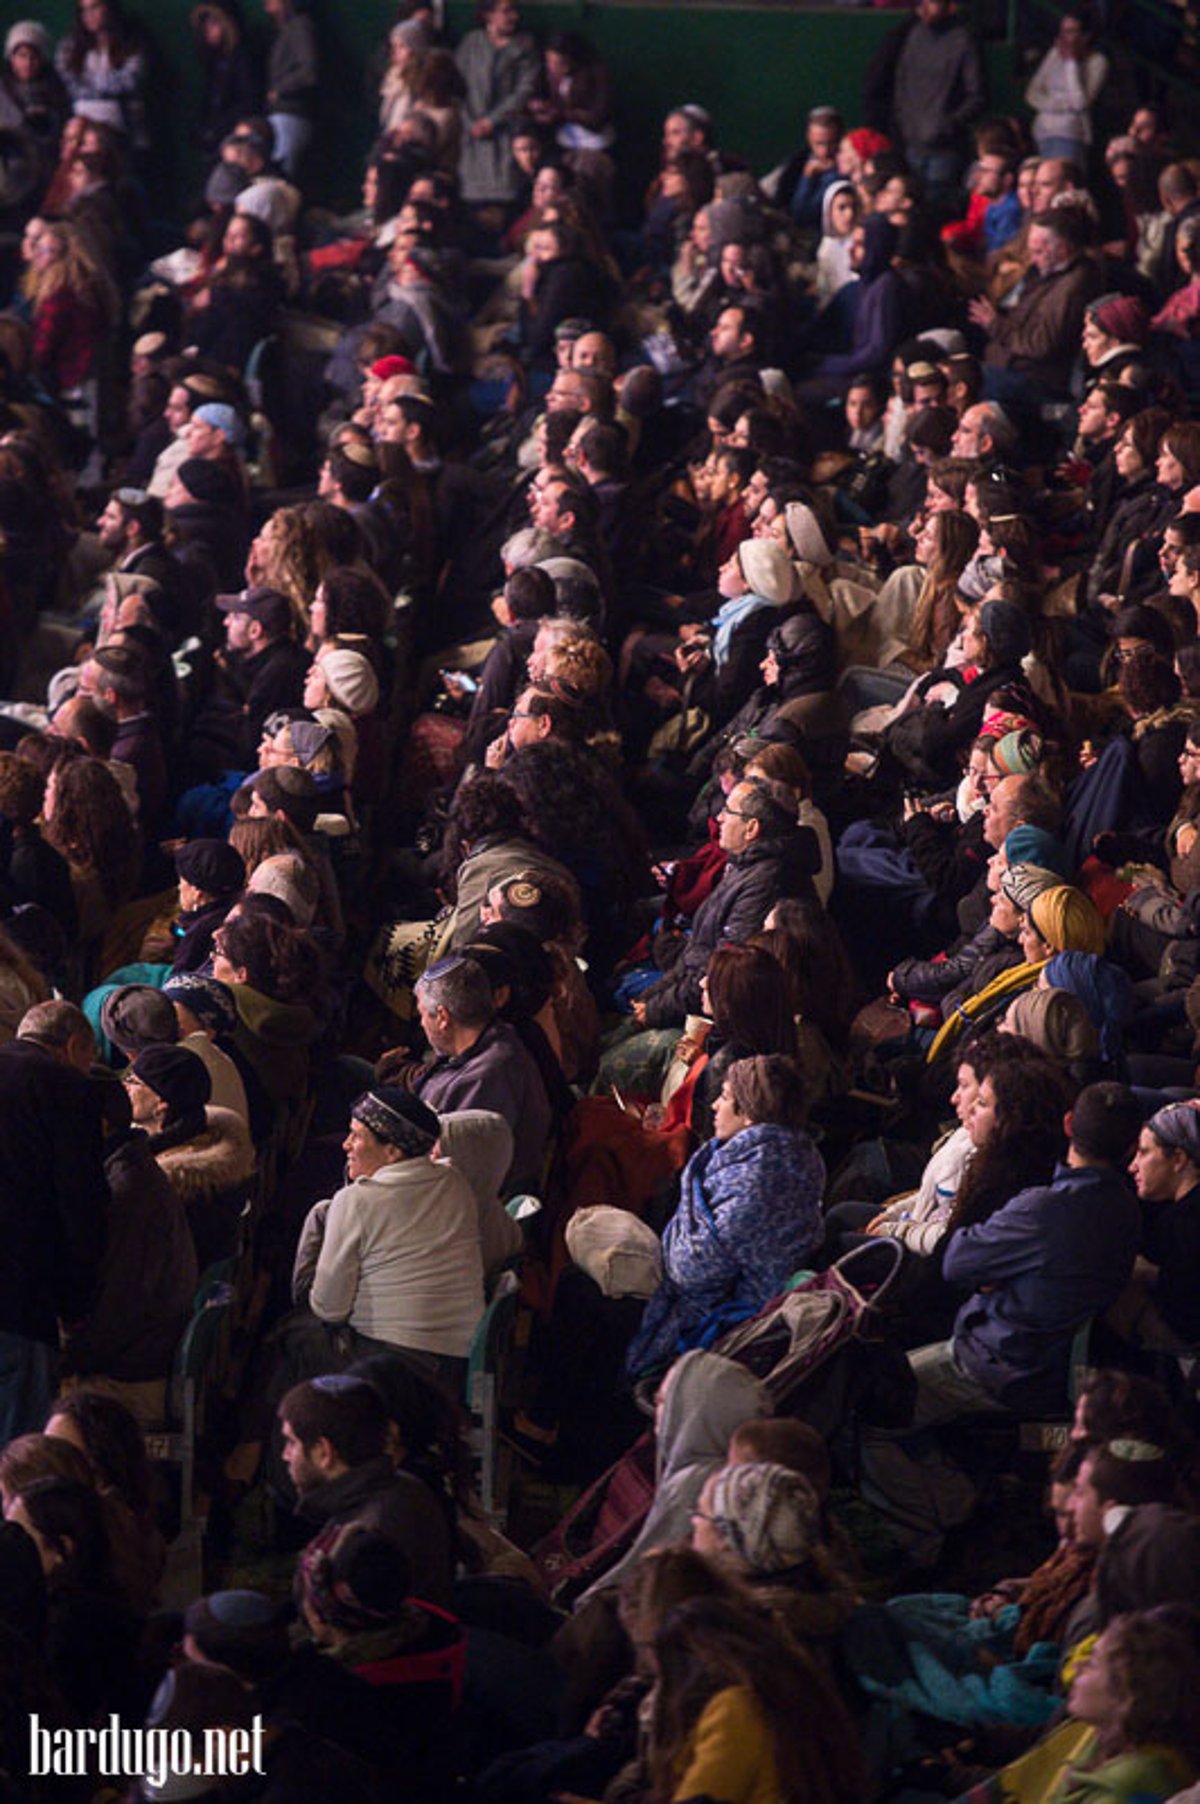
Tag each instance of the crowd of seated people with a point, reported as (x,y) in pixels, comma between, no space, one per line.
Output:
(599,783)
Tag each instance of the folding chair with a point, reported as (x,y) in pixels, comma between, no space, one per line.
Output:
(486,1380)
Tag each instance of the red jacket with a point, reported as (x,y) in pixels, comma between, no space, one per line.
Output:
(966,235)
(67,328)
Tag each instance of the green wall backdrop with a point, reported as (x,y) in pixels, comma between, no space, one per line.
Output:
(757,68)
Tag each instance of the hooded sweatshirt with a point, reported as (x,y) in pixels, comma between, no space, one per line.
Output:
(834,268)
(878,322)
(707,1398)
(478,1143)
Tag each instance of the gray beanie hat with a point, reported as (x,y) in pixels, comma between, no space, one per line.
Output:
(29,32)
(135,1015)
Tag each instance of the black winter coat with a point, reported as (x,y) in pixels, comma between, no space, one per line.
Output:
(148,1275)
(740,901)
(53,1193)
(395,1504)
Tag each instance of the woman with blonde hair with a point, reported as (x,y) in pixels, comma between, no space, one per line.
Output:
(579,659)
(288,555)
(73,305)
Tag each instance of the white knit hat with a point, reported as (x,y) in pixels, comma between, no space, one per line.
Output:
(804,531)
(350,679)
(769,570)
(30,32)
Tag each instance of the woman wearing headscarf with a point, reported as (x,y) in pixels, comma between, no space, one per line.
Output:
(813,558)
(394,1255)
(755,583)
(749,1214)
(951,856)
(206,1018)
(1104,989)
(799,660)
(762,1522)
(1059,1025)
(702,1398)
(1160,1308)
(1057,918)
(1115,329)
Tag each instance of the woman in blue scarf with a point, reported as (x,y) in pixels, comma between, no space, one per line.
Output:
(748,1217)
(1105,991)
(756,584)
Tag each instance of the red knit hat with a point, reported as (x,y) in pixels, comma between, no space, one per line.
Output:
(393,366)
(1121,316)
(868,143)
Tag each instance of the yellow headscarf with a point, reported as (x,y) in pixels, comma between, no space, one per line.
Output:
(1068,920)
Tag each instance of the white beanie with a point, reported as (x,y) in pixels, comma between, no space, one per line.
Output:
(292,881)
(350,679)
(28,31)
(769,570)
(804,531)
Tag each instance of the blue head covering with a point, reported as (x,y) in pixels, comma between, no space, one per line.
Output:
(1177,1127)
(879,247)
(1033,845)
(1105,990)
(1005,626)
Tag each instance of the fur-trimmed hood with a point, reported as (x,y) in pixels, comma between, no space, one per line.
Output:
(222,1156)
